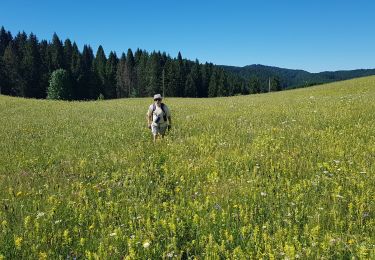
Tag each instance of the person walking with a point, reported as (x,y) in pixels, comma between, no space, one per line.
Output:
(158,117)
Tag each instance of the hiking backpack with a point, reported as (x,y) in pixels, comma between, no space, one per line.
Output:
(162,108)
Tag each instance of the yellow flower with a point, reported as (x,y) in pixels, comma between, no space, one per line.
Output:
(42,255)
(18,242)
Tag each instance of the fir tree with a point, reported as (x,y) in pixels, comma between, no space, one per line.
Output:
(31,64)
(5,38)
(11,63)
(121,88)
(130,73)
(100,62)
(111,69)
(57,53)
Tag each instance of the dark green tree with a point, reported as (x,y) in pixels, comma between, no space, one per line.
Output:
(31,64)
(121,87)
(130,74)
(100,62)
(76,73)
(17,85)
(275,84)
(212,88)
(88,84)
(111,69)
(5,38)
(57,53)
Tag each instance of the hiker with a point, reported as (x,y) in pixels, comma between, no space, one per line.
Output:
(158,117)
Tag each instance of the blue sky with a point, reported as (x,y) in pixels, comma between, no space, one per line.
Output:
(298,34)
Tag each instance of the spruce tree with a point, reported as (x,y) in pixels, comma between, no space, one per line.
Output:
(11,65)
(31,63)
(5,38)
(68,52)
(111,68)
(57,53)
(121,88)
(100,62)
(76,73)
(88,83)
(45,61)
(130,74)
(212,88)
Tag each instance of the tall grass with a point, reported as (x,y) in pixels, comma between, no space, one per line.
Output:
(279,175)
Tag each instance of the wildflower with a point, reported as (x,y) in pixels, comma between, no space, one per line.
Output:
(112,234)
(40,214)
(263,194)
(42,255)
(146,244)
(18,242)
(19,194)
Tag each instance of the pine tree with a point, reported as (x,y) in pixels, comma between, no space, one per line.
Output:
(190,87)
(100,62)
(275,84)
(111,69)
(254,85)
(5,38)
(76,72)
(57,53)
(45,60)
(31,64)
(212,88)
(68,52)
(130,73)
(154,75)
(88,84)
(181,76)
(222,84)
(121,89)
(141,59)
(11,65)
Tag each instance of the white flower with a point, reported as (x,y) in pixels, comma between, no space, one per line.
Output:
(112,234)
(146,244)
(40,214)
(263,194)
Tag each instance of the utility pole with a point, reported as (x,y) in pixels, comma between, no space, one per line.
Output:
(269,84)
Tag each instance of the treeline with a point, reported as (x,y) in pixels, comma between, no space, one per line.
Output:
(289,78)
(27,64)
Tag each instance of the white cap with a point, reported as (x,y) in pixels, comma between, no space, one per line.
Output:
(158,96)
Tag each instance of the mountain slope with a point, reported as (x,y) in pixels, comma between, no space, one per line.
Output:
(295,78)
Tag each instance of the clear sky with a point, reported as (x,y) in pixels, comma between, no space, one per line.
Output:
(314,35)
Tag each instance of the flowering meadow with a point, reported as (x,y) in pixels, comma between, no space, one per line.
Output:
(282,175)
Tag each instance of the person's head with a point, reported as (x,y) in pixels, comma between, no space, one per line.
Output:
(158,98)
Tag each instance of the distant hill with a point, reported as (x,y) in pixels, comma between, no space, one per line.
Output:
(290,78)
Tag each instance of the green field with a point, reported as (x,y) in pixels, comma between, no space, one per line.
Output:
(278,175)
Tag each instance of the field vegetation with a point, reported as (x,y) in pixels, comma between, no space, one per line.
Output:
(279,175)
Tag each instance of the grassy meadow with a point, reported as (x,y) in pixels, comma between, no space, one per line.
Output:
(282,175)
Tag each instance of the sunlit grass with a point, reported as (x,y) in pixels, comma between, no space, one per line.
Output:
(279,175)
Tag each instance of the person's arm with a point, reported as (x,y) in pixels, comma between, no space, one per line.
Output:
(149,118)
